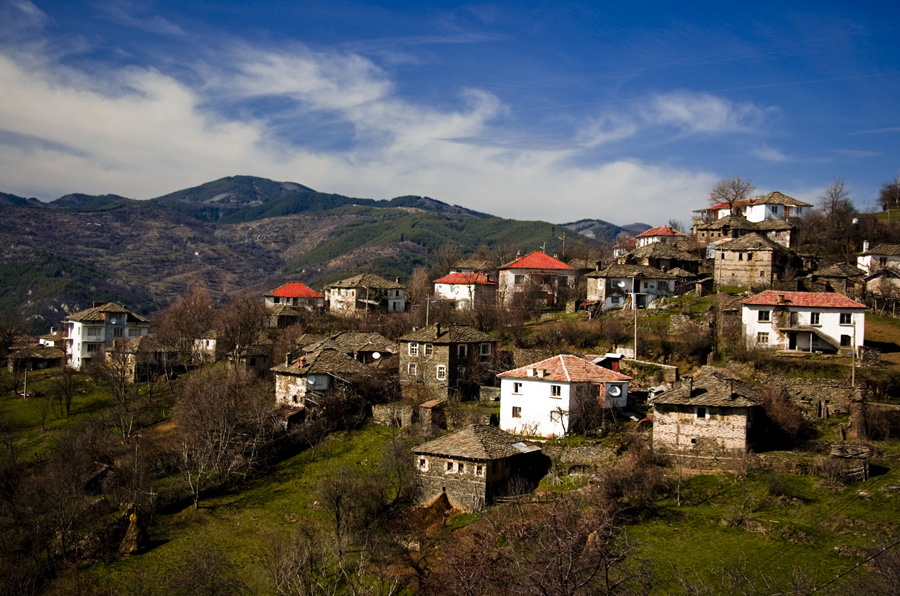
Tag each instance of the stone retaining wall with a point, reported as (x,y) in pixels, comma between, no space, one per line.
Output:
(395,414)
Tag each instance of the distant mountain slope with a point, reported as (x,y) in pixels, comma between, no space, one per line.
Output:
(8,199)
(603,231)
(82,202)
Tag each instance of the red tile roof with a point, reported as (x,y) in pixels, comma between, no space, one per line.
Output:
(538,260)
(810,299)
(660,231)
(465,278)
(627,243)
(296,290)
(567,368)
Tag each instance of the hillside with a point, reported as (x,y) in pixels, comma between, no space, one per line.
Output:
(603,231)
(230,235)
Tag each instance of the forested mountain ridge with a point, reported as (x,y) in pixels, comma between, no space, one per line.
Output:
(233,234)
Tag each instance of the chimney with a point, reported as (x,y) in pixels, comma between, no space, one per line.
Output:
(614,365)
(97,303)
(518,255)
(690,380)
(865,246)
(287,359)
(396,280)
(731,389)
(780,298)
(529,372)
(438,326)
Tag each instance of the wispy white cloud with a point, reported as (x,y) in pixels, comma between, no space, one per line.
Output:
(857,153)
(770,154)
(703,113)
(129,14)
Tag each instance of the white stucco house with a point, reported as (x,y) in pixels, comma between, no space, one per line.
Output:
(878,257)
(621,286)
(89,332)
(663,234)
(774,205)
(558,395)
(466,290)
(804,321)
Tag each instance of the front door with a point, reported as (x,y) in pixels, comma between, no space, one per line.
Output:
(792,341)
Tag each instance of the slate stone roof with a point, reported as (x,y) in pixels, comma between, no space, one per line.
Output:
(805,299)
(448,334)
(323,362)
(367,280)
(477,442)
(146,343)
(711,387)
(777,198)
(752,241)
(295,290)
(679,272)
(99,313)
(38,352)
(840,270)
(566,368)
(473,264)
(283,310)
(887,250)
(616,270)
(538,260)
(772,225)
(663,250)
(465,278)
(735,222)
(349,342)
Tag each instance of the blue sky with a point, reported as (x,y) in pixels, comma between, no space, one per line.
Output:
(619,111)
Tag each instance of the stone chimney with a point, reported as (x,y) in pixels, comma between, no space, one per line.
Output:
(780,298)
(287,359)
(865,246)
(690,382)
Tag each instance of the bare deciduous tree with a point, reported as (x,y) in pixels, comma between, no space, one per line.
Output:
(731,190)
(185,322)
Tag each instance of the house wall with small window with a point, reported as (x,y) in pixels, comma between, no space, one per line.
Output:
(701,430)
(536,407)
(469,484)
(748,268)
(433,371)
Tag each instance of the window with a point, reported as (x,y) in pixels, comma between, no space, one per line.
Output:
(117,332)
(460,372)
(517,387)
(134,332)
(814,318)
(429,349)
(516,412)
(411,368)
(462,350)
(441,372)
(846,340)
(93,347)
(93,332)
(449,466)
(740,256)
(413,348)
(701,412)
(846,318)
(762,339)
(749,256)
(723,256)
(423,464)
(479,470)
(485,349)
(460,467)
(764,316)
(519,280)
(555,390)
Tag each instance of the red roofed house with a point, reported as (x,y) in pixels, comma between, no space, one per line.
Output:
(542,280)
(558,395)
(804,321)
(295,294)
(624,247)
(467,290)
(659,234)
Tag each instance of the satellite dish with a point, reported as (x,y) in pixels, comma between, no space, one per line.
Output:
(376,355)
(614,390)
(113,320)
(620,283)
(311,379)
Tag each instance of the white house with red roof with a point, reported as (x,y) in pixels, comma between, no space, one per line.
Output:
(558,395)
(546,278)
(295,294)
(804,321)
(659,234)
(774,205)
(466,290)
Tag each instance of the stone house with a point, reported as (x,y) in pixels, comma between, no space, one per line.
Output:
(443,360)
(466,290)
(475,465)
(843,278)
(803,321)
(365,293)
(89,332)
(35,358)
(878,257)
(144,357)
(621,286)
(753,261)
(885,282)
(558,395)
(542,280)
(305,378)
(663,256)
(710,414)
(774,205)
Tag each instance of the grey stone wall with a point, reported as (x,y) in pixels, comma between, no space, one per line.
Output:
(646,374)
(488,393)
(395,414)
